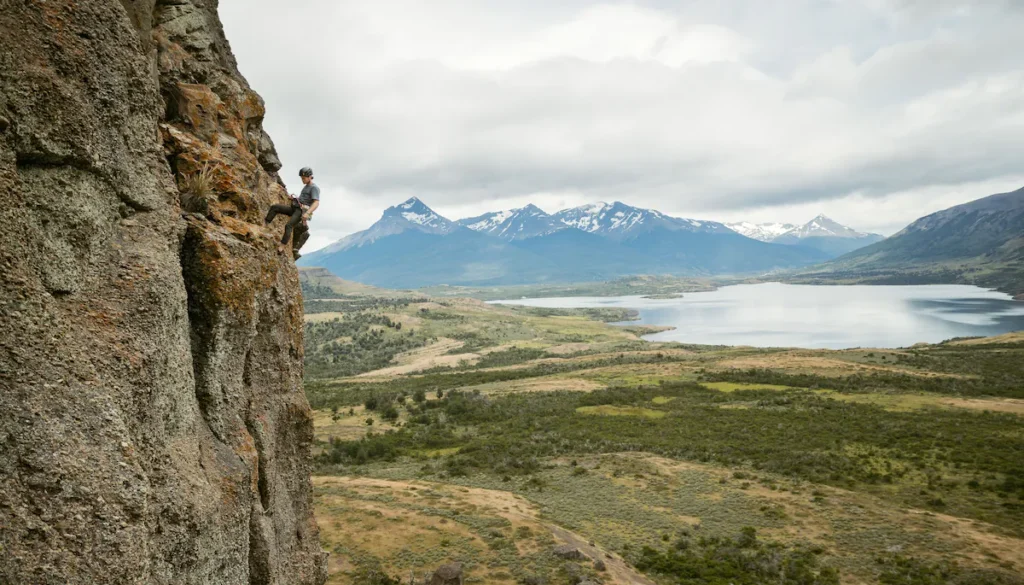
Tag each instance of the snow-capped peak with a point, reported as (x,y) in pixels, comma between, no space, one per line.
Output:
(621,220)
(765,232)
(514,224)
(823,226)
(418,213)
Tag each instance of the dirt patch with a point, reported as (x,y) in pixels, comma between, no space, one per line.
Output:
(570,348)
(1011,405)
(322,317)
(983,541)
(425,358)
(547,384)
(617,571)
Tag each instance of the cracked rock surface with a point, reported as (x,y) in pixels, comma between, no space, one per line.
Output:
(153,427)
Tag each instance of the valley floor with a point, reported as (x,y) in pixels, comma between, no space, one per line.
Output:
(452,430)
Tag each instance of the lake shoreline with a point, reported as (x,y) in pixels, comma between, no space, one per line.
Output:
(812,316)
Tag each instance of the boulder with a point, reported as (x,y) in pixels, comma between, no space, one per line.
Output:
(568,552)
(449,574)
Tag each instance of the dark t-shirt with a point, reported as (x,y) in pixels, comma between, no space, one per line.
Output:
(309,194)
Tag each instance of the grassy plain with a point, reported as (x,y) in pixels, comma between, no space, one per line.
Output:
(488,435)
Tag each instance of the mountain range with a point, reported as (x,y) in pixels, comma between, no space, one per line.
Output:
(821,233)
(412,245)
(981,242)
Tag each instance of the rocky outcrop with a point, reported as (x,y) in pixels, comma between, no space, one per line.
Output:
(448,574)
(153,427)
(567,551)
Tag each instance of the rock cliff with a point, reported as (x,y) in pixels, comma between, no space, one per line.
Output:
(153,427)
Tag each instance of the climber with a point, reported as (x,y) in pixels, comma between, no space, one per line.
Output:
(299,212)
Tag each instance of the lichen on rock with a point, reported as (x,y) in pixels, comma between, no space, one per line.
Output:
(153,427)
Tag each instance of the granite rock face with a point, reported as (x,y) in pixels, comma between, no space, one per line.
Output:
(153,427)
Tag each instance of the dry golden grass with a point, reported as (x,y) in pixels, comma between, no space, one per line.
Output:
(829,519)
(348,428)
(425,358)
(1015,337)
(544,384)
(391,519)
(819,363)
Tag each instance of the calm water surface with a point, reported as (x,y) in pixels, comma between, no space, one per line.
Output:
(835,317)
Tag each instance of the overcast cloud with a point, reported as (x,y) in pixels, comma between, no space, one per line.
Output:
(874,112)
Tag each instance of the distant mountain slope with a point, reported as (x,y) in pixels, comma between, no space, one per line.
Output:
(695,253)
(987,227)
(586,256)
(978,242)
(318,282)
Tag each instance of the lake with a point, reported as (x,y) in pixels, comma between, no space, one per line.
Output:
(832,317)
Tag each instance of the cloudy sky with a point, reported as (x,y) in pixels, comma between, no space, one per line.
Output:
(874,112)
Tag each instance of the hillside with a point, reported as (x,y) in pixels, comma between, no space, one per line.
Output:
(413,246)
(542,446)
(981,242)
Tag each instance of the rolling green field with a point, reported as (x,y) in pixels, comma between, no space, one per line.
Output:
(488,435)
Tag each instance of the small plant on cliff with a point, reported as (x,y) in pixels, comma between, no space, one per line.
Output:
(195,190)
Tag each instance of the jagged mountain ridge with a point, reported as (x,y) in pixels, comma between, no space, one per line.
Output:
(514,224)
(616,220)
(764,232)
(620,221)
(411,245)
(821,233)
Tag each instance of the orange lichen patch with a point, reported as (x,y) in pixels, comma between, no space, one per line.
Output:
(231,191)
(222,280)
(210,118)
(243,229)
(198,107)
(251,106)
